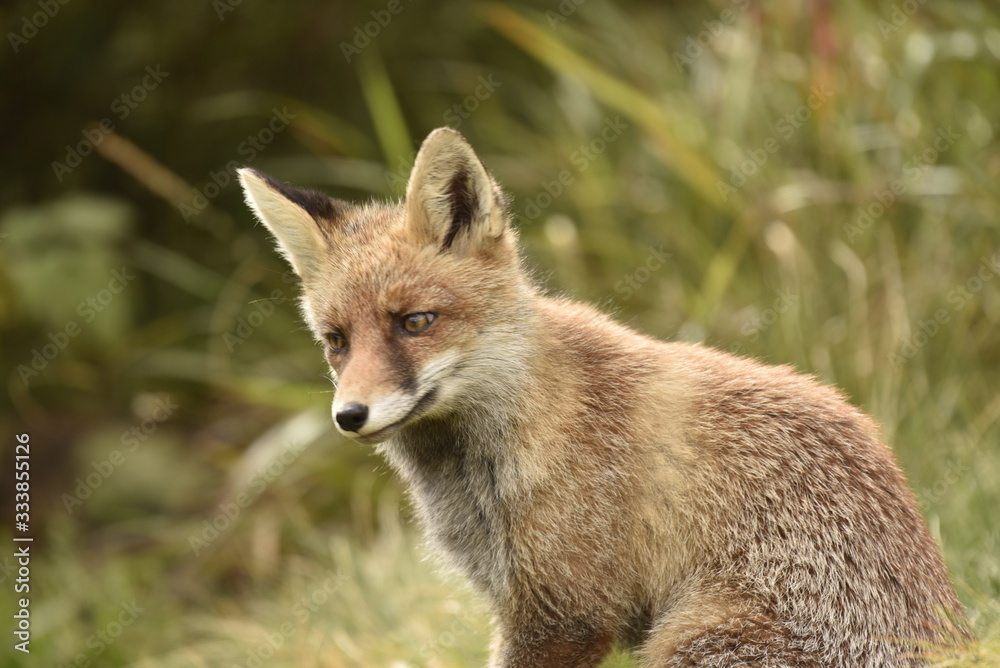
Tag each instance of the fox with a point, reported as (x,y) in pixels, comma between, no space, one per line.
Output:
(598,487)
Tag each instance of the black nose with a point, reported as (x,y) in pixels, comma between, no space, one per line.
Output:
(352,417)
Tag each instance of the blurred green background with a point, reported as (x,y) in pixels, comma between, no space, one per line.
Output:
(809,183)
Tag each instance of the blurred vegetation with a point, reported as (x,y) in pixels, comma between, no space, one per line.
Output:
(183,460)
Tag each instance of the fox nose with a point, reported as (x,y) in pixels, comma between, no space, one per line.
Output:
(352,417)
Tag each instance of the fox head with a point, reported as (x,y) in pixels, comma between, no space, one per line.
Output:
(417,303)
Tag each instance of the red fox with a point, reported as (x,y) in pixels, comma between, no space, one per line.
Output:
(598,486)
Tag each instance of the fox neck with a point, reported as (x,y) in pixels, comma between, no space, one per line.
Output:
(468,454)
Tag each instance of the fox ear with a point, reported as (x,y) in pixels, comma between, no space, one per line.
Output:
(450,199)
(295,217)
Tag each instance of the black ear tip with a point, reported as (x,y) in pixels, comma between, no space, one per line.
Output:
(316,204)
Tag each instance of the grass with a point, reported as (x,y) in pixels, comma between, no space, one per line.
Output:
(806,258)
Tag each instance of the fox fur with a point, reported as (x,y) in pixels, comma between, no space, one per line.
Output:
(596,485)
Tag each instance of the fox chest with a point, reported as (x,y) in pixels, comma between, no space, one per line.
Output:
(460,505)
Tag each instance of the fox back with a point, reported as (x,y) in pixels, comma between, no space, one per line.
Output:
(597,485)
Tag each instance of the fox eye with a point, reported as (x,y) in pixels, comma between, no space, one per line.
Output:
(335,340)
(418,322)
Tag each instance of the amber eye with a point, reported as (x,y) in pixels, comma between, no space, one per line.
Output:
(335,340)
(418,322)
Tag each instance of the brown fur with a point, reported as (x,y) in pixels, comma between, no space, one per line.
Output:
(595,484)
